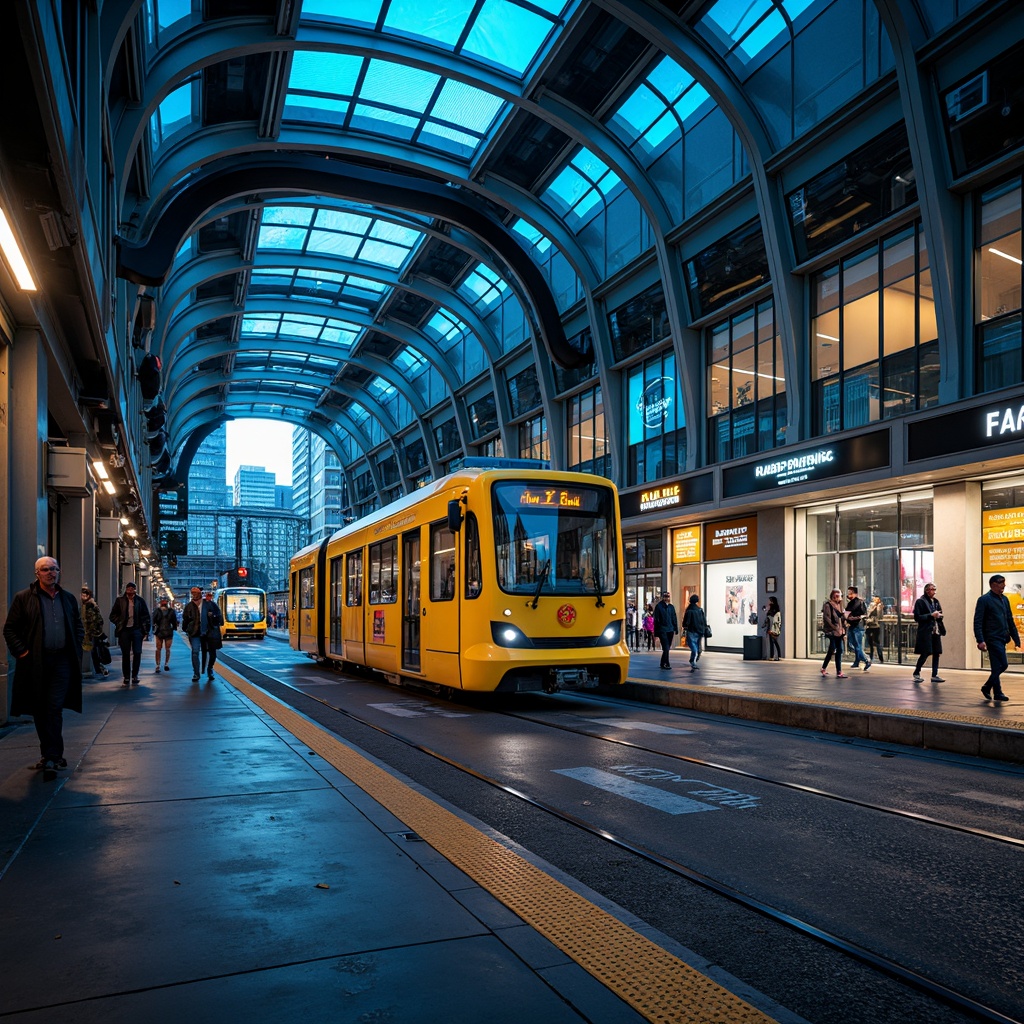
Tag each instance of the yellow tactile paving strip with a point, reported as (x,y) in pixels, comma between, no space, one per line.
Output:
(888,709)
(659,986)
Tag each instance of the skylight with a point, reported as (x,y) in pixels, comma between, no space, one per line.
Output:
(749,26)
(263,326)
(583,183)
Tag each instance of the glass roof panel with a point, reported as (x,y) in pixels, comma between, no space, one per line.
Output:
(380,388)
(441,22)
(365,11)
(583,183)
(750,26)
(290,325)
(537,239)
(507,34)
(174,112)
(409,361)
(385,82)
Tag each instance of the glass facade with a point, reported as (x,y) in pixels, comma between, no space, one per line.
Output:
(587,438)
(656,425)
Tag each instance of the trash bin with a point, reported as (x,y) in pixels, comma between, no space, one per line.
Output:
(753,648)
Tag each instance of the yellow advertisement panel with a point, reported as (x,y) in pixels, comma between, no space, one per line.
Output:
(686,545)
(1002,558)
(1003,525)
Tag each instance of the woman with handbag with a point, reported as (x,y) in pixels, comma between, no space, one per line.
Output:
(695,626)
(773,626)
(833,625)
(95,637)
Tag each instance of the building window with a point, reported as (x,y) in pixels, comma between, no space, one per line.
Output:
(874,348)
(483,414)
(588,442)
(442,563)
(446,436)
(524,391)
(491,449)
(639,323)
(726,271)
(533,439)
(746,385)
(998,305)
(656,426)
(384,572)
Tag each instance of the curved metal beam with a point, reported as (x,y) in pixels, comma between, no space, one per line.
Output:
(150,262)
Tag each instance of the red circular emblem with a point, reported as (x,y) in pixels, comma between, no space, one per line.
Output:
(566,615)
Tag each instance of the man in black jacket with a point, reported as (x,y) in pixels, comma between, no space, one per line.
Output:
(666,625)
(132,623)
(994,628)
(44,633)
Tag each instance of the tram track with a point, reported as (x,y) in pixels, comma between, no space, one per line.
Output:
(913,979)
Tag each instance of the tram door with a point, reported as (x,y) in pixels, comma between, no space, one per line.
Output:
(411,601)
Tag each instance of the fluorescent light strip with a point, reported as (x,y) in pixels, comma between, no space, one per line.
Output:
(12,252)
(1005,255)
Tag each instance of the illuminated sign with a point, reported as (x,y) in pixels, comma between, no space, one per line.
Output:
(850,455)
(999,526)
(668,496)
(655,402)
(686,545)
(979,427)
(733,538)
(675,494)
(551,497)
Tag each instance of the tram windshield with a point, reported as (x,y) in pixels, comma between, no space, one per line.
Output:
(243,606)
(555,539)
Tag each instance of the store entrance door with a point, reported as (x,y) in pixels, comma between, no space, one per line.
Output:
(644,589)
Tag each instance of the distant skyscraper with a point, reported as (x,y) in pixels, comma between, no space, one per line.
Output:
(319,491)
(283,497)
(254,487)
(208,471)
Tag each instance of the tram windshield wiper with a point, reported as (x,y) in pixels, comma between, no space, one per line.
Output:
(540,582)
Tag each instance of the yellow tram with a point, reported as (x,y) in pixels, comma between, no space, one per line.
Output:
(244,611)
(489,579)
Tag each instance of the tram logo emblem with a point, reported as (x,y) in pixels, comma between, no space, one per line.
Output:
(566,615)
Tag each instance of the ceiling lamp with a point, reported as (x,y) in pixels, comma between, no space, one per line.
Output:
(12,253)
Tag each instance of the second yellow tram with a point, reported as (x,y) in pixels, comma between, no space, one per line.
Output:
(498,580)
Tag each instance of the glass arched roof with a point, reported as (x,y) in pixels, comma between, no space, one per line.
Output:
(511,125)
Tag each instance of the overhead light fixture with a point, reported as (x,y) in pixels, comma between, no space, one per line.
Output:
(101,469)
(146,551)
(133,533)
(109,486)
(125,520)
(1005,255)
(12,253)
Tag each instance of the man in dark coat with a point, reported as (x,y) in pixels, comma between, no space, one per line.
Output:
(666,625)
(132,623)
(994,628)
(44,632)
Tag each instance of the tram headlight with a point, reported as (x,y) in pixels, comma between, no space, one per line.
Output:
(505,634)
(610,635)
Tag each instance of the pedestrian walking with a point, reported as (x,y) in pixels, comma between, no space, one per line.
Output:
(44,633)
(132,624)
(165,623)
(772,615)
(631,624)
(210,636)
(930,631)
(873,629)
(856,609)
(666,625)
(833,625)
(95,636)
(695,626)
(648,624)
(994,628)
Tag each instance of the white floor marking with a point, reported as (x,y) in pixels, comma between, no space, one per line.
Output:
(670,803)
(991,798)
(627,723)
(415,709)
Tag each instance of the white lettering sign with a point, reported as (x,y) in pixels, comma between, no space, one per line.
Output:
(1004,421)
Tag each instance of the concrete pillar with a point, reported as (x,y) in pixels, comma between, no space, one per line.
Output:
(776,555)
(105,588)
(957,531)
(6,580)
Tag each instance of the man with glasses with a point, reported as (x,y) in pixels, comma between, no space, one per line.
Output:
(44,633)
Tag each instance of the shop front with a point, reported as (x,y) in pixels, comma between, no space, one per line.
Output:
(730,581)
(1002,548)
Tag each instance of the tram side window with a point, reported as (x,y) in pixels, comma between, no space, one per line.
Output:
(307,595)
(384,572)
(474,577)
(354,576)
(442,563)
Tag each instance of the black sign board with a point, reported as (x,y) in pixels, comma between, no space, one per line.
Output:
(668,497)
(808,465)
(994,423)
(173,537)
(171,503)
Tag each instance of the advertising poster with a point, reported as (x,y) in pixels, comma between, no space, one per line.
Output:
(730,596)
(1002,535)
(378,626)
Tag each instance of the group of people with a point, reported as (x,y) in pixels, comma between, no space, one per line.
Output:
(46,633)
(994,628)
(639,627)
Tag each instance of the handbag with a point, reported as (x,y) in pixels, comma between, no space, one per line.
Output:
(103,650)
(707,632)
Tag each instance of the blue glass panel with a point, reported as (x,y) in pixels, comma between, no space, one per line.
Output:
(365,118)
(507,35)
(175,110)
(342,220)
(387,231)
(333,73)
(537,239)
(280,237)
(441,22)
(316,108)
(383,253)
(435,134)
(365,11)
(411,88)
(332,242)
(288,215)
(467,106)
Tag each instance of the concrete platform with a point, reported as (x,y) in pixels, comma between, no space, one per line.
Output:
(209,855)
(883,704)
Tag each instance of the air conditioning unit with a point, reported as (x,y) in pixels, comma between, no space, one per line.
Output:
(66,471)
(108,529)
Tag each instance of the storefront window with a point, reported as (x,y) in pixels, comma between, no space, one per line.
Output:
(656,433)
(882,546)
(533,439)
(874,352)
(998,259)
(1002,522)
(588,442)
(644,581)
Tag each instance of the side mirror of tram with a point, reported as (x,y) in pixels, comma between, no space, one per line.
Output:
(455,515)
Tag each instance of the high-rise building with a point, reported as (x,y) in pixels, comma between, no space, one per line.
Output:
(208,472)
(319,491)
(254,487)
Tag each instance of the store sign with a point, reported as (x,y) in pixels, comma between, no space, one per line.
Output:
(979,427)
(850,455)
(655,402)
(686,545)
(669,496)
(1002,538)
(734,538)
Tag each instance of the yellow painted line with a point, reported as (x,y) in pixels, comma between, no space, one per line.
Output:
(941,716)
(659,986)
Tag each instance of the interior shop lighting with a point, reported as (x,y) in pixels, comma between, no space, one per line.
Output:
(1005,255)
(12,253)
